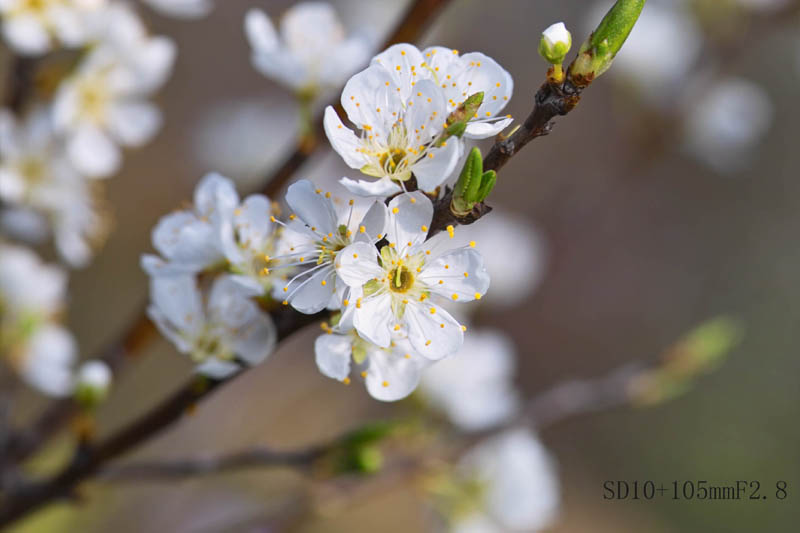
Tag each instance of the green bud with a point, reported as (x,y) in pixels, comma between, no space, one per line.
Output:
(92,384)
(599,50)
(473,185)
(456,123)
(555,43)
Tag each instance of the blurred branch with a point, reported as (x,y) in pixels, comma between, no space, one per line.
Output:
(19,83)
(141,331)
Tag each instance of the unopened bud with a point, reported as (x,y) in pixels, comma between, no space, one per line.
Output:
(555,44)
(92,383)
(473,185)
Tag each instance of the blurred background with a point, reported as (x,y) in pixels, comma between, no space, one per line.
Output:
(669,196)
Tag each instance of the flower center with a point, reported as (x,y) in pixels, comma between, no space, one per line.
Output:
(389,160)
(400,279)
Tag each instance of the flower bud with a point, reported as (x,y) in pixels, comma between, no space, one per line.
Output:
(92,383)
(555,44)
(599,50)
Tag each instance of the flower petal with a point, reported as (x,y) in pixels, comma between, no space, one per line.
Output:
(333,355)
(397,60)
(343,140)
(373,317)
(371,188)
(357,264)
(312,293)
(134,123)
(93,153)
(433,332)
(393,375)
(369,98)
(312,207)
(461,272)
(433,169)
(374,223)
(410,215)
(217,369)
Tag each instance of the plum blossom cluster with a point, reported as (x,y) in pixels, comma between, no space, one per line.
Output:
(33,341)
(224,265)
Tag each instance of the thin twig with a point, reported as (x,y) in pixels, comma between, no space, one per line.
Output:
(141,332)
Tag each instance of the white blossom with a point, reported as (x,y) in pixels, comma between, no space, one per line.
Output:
(399,134)
(219,330)
(104,104)
(389,373)
(182,8)
(458,76)
(312,52)
(520,484)
(399,284)
(726,121)
(191,240)
(474,387)
(33,27)
(36,346)
(94,374)
(557,34)
(312,240)
(38,181)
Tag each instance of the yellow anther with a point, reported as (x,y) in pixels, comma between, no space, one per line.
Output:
(285,289)
(327,195)
(285,302)
(477,296)
(358,303)
(391,245)
(317,191)
(355,256)
(362,229)
(397,327)
(472,244)
(364,374)
(424,228)
(433,310)
(398,67)
(412,200)
(292,216)
(323,282)
(451,231)
(407,356)
(346,381)
(385,383)
(272,218)
(463,328)
(455,296)
(395,210)
(346,302)
(427,343)
(466,274)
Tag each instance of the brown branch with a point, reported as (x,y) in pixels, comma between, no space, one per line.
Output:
(141,332)
(19,83)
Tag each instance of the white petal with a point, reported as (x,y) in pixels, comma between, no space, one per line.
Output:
(252,220)
(433,335)
(405,56)
(186,241)
(358,263)
(282,66)
(215,196)
(365,94)
(257,340)
(391,375)
(349,56)
(311,26)
(26,34)
(451,269)
(259,30)
(48,362)
(93,153)
(408,214)
(485,74)
(333,355)
(179,300)
(217,369)
(372,319)
(371,188)
(12,185)
(312,207)
(425,112)
(374,223)
(484,130)
(309,295)
(343,140)
(134,123)
(433,171)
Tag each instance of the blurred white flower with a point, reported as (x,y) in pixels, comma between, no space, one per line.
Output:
(500,234)
(31,295)
(660,51)
(313,52)
(104,103)
(47,361)
(28,287)
(390,373)
(726,121)
(520,484)
(458,77)
(190,240)
(32,27)
(38,182)
(396,285)
(475,386)
(398,134)
(314,236)
(182,8)
(219,330)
